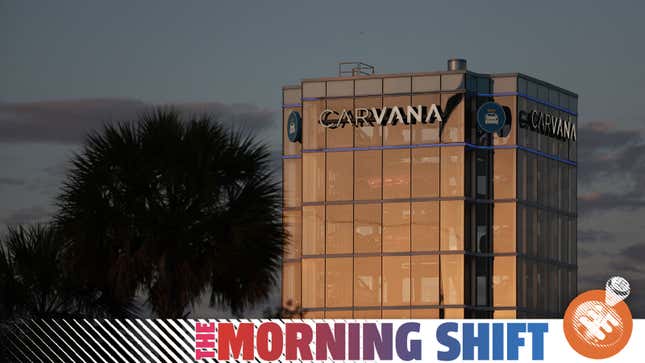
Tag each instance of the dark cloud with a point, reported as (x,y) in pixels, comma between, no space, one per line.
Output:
(594,235)
(612,166)
(8,181)
(32,214)
(69,121)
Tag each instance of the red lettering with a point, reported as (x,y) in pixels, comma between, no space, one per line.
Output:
(297,344)
(262,344)
(229,342)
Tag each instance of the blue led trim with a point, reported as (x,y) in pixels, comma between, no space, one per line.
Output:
(289,105)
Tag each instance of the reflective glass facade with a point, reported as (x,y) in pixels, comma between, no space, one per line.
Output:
(438,220)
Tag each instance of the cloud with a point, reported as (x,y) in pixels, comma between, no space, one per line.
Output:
(8,181)
(32,214)
(611,168)
(594,235)
(69,121)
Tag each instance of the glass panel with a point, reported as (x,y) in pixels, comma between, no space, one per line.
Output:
(292,182)
(426,133)
(313,315)
(507,135)
(292,221)
(504,84)
(452,171)
(339,228)
(291,95)
(313,134)
(367,281)
(367,167)
(452,81)
(396,227)
(340,175)
(342,136)
(339,287)
(368,135)
(452,225)
(313,89)
(313,230)
(504,314)
(338,314)
(453,313)
(452,280)
(425,172)
(340,88)
(396,85)
(504,174)
(367,314)
(396,313)
(426,83)
(291,285)
(396,280)
(288,147)
(425,226)
(313,177)
(425,280)
(425,314)
(453,126)
(504,281)
(373,86)
(396,174)
(367,228)
(313,283)
(398,134)
(504,222)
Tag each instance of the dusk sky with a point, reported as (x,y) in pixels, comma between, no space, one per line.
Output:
(68,67)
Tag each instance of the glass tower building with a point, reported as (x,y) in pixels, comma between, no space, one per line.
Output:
(437,219)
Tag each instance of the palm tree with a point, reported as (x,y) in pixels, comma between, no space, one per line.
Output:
(174,208)
(34,282)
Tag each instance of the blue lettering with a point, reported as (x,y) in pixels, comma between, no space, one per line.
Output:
(514,341)
(537,331)
(471,341)
(449,342)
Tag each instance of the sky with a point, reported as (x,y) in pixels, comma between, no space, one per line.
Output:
(68,67)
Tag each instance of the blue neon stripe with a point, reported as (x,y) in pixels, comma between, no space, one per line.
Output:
(419,146)
(288,105)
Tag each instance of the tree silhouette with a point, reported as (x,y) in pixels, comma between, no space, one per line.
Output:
(34,282)
(173,208)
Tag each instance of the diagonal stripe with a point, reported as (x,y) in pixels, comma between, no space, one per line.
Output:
(50,339)
(171,342)
(98,323)
(95,342)
(84,342)
(182,342)
(37,336)
(108,344)
(25,344)
(127,341)
(10,339)
(181,331)
(136,340)
(160,343)
(145,338)
(61,339)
